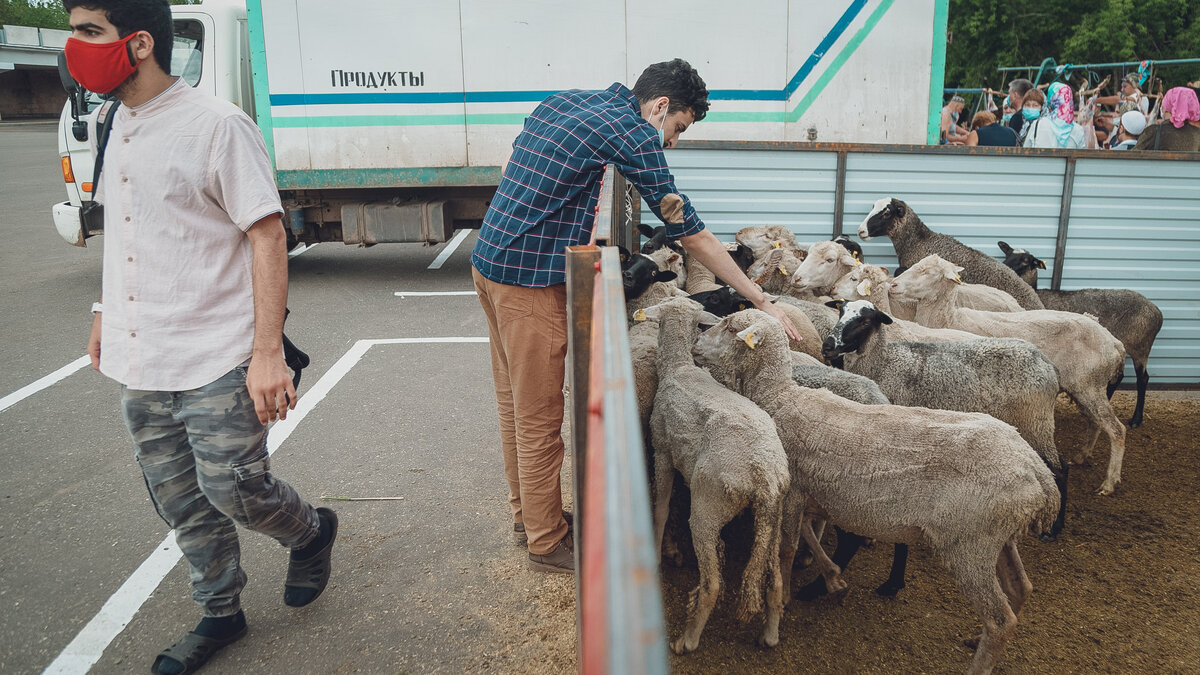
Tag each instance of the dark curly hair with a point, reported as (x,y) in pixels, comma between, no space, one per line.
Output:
(678,81)
(130,16)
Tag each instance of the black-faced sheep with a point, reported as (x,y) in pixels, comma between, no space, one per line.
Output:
(913,241)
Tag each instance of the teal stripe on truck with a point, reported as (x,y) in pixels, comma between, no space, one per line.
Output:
(436,176)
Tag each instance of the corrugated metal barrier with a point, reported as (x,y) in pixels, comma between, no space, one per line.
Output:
(1131,219)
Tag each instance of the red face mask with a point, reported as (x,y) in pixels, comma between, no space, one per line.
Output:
(100,67)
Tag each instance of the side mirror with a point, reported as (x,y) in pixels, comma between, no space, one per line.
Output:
(77,96)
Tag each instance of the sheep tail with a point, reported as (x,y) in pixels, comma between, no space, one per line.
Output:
(1046,511)
(767,519)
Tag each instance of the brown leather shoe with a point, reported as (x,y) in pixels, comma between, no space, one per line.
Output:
(521,538)
(559,561)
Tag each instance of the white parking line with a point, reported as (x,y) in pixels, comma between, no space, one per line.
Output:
(89,644)
(449,250)
(31,389)
(300,249)
(422,294)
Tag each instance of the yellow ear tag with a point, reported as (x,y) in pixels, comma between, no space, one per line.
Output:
(639,315)
(782,269)
(777,244)
(866,288)
(749,340)
(957,279)
(856,256)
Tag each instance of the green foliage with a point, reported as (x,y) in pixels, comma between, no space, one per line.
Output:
(33,13)
(987,34)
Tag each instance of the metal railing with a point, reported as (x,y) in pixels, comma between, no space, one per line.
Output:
(618,599)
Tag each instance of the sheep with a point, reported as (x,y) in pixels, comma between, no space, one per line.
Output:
(812,373)
(729,453)
(1086,355)
(871,282)
(851,246)
(1006,378)
(639,271)
(724,301)
(829,261)
(1128,315)
(773,271)
(965,483)
(763,238)
(913,241)
(668,259)
(656,238)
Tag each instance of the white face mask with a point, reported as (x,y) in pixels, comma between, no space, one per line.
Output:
(662,135)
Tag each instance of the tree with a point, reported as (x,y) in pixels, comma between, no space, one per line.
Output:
(33,13)
(987,34)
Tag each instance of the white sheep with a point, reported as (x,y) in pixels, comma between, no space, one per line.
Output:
(829,261)
(729,453)
(761,239)
(872,282)
(1006,378)
(1086,355)
(964,483)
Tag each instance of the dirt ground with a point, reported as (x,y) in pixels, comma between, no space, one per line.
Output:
(1119,592)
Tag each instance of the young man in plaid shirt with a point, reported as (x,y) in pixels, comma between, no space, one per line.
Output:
(545,203)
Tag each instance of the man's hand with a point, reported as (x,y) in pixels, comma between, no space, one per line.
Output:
(270,387)
(788,326)
(93,348)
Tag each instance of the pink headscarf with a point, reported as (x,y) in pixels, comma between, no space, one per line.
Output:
(1181,102)
(1061,102)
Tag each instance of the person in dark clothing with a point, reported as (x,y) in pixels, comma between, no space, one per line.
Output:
(1016,96)
(985,130)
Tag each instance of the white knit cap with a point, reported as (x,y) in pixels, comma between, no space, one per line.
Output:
(1133,122)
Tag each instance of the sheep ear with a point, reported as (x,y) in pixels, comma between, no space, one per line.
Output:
(836,304)
(708,319)
(646,230)
(624,253)
(953,275)
(664,276)
(885,271)
(749,337)
(770,298)
(1004,247)
(1041,263)
(672,258)
(883,318)
(864,288)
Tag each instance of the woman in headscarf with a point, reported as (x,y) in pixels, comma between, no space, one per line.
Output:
(1182,131)
(1054,126)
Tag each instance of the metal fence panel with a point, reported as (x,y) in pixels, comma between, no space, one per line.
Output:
(732,189)
(1132,222)
(1136,225)
(976,199)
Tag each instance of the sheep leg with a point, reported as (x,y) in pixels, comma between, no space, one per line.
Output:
(1143,378)
(1101,414)
(793,514)
(1012,576)
(710,511)
(831,572)
(819,532)
(976,572)
(1112,386)
(762,570)
(664,482)
(848,544)
(1060,480)
(895,579)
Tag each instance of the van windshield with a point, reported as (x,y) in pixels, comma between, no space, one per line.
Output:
(187,50)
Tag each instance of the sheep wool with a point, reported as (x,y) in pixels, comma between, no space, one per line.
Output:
(964,483)
(728,451)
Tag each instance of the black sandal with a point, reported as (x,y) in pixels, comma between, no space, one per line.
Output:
(194,650)
(306,579)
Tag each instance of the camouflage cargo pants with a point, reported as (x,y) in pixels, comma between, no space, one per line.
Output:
(203,454)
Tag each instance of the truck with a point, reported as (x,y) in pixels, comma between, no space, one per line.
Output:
(391,121)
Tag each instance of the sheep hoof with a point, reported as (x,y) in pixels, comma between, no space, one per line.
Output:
(680,646)
(971,643)
(1048,536)
(768,641)
(1106,489)
(1135,422)
(889,590)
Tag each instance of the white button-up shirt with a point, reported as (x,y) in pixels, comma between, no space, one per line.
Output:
(185,175)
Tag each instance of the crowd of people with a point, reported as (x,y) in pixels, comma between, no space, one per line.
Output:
(1055,117)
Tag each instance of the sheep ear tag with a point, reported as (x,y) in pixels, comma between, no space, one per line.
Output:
(640,315)
(1041,264)
(857,256)
(782,269)
(864,288)
(777,244)
(749,338)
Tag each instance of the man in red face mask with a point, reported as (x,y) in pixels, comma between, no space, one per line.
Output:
(194,294)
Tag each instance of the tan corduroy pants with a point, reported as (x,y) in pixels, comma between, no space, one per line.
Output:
(528,334)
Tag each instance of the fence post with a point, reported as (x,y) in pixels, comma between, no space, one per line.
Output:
(839,194)
(1064,219)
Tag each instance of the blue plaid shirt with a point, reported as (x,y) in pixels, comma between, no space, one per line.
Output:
(547,198)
